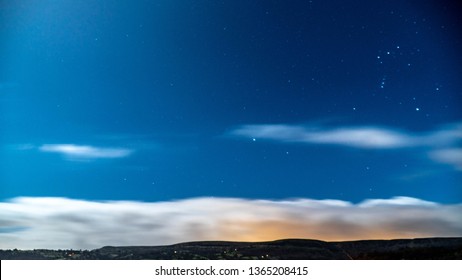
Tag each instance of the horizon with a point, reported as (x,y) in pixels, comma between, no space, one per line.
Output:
(199,242)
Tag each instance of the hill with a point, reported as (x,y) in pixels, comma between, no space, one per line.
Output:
(288,249)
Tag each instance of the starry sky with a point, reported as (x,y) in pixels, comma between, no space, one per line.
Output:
(155,101)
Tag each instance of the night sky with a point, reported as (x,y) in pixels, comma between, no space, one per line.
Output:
(155,101)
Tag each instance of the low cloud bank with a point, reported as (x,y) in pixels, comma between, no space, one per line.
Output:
(28,223)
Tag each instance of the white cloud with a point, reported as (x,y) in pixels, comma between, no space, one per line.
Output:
(441,145)
(68,223)
(362,138)
(449,156)
(79,152)
(397,201)
(359,137)
(449,135)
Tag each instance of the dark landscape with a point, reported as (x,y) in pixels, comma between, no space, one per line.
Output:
(288,249)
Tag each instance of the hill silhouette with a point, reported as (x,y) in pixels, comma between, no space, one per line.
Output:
(288,249)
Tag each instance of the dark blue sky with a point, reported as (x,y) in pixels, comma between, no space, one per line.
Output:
(161,100)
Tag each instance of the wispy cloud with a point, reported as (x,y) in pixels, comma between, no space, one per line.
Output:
(70,223)
(441,145)
(359,137)
(362,137)
(449,156)
(79,152)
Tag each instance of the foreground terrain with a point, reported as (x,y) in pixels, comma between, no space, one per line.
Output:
(424,248)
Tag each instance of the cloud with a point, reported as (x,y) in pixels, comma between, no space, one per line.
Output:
(449,156)
(359,137)
(28,223)
(78,152)
(397,201)
(440,145)
(362,138)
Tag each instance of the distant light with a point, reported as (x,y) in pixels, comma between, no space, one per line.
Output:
(417,109)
